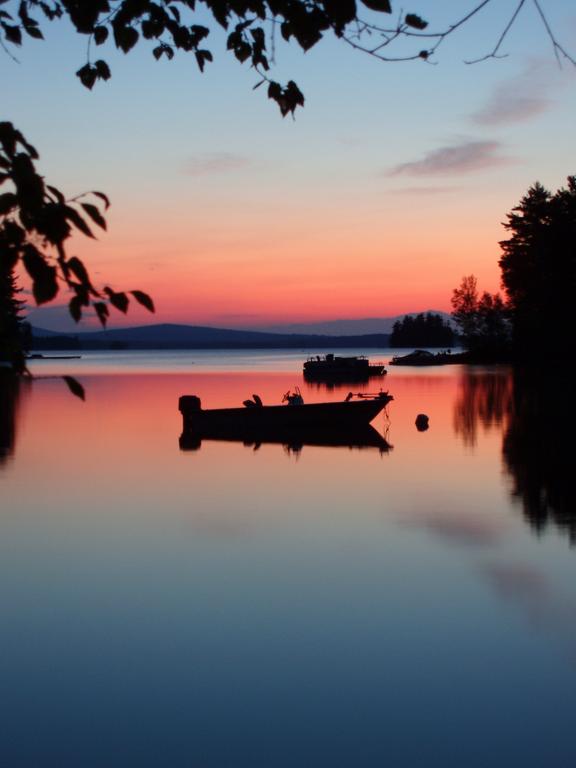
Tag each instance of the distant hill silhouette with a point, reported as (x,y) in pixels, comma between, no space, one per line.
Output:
(173,336)
(347,327)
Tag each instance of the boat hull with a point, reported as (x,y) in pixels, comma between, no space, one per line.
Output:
(338,415)
(421,358)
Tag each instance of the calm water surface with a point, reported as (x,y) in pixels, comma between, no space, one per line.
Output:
(243,605)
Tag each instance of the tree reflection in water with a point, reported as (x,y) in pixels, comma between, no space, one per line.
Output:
(484,401)
(538,449)
(9,396)
(536,414)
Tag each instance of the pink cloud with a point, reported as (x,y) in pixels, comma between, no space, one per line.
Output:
(456,159)
(214,162)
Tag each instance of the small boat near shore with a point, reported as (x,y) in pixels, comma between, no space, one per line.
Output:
(423,357)
(39,356)
(355,411)
(330,367)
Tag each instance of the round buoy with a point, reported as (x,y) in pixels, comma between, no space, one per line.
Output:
(422,422)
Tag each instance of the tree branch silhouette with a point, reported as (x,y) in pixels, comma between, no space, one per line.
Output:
(36,223)
(169,26)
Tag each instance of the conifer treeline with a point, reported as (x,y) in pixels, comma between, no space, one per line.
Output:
(422,330)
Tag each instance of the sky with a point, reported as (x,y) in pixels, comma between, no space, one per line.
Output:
(385,190)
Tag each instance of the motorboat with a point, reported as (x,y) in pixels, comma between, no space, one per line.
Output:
(293,414)
(333,367)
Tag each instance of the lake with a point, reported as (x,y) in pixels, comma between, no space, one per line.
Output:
(275,605)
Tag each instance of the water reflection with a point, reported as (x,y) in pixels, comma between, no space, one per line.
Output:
(231,608)
(529,420)
(484,400)
(538,449)
(9,397)
(536,415)
(319,384)
(293,439)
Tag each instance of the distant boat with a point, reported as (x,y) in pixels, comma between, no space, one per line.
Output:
(423,357)
(353,412)
(38,356)
(330,367)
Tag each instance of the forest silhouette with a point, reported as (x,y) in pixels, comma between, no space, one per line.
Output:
(535,321)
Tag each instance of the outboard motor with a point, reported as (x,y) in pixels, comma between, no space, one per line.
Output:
(189,404)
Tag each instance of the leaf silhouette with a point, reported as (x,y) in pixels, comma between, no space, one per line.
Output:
(104,197)
(44,281)
(378,5)
(143,299)
(73,216)
(100,35)
(118,300)
(13,34)
(87,75)
(75,308)
(94,214)
(75,387)
(8,201)
(414,21)
(102,311)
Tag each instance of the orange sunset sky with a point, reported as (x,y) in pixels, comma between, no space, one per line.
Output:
(389,186)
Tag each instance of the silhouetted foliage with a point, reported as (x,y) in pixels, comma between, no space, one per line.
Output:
(36,221)
(423,330)
(252,27)
(483,320)
(539,272)
(14,332)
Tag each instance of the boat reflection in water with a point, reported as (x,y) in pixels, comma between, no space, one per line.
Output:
(293,439)
(333,384)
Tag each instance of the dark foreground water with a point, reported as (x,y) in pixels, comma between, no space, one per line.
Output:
(261,606)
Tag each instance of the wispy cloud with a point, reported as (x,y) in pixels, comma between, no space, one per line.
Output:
(213,526)
(518,581)
(506,107)
(463,529)
(522,97)
(350,141)
(528,587)
(417,191)
(215,162)
(465,157)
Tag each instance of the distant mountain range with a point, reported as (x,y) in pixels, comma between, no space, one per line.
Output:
(172,336)
(355,327)
(367,332)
